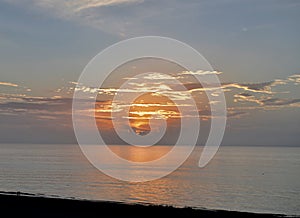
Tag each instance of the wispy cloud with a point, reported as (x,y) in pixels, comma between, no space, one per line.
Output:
(200,73)
(264,87)
(236,114)
(8,84)
(266,102)
(72,6)
(243,98)
(280,102)
(295,78)
(87,4)
(88,12)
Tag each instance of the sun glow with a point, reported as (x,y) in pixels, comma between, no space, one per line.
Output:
(150,107)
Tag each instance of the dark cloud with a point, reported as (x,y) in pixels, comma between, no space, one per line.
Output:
(236,114)
(245,94)
(279,102)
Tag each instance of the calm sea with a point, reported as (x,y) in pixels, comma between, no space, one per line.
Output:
(255,179)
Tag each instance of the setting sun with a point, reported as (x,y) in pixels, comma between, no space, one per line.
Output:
(150,106)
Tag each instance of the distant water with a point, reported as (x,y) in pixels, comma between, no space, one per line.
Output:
(255,179)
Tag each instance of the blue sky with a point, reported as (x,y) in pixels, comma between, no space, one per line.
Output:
(46,44)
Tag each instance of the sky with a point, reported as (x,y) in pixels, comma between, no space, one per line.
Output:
(252,45)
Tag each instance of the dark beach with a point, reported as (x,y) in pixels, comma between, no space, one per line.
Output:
(28,205)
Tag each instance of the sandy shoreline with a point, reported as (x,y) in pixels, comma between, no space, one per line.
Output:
(30,205)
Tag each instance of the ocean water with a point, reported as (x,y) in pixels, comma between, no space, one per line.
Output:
(254,179)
